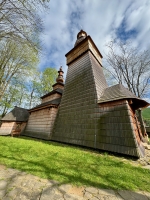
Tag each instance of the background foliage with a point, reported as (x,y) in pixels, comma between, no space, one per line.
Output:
(21,83)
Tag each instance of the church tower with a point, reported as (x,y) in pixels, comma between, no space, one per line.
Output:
(91,113)
(78,115)
(86,111)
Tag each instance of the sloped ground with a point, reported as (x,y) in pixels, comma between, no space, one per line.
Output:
(18,185)
(145,162)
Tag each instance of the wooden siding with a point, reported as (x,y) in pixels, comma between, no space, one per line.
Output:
(118,130)
(51,97)
(84,46)
(77,118)
(12,128)
(40,123)
(6,128)
(136,130)
(82,121)
(58,86)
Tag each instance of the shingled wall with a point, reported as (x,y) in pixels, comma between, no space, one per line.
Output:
(6,128)
(77,116)
(118,131)
(82,121)
(40,123)
(51,97)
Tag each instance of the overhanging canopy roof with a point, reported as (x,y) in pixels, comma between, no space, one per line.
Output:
(54,102)
(118,92)
(58,90)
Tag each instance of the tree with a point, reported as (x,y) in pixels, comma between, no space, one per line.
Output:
(129,67)
(20,21)
(25,91)
(15,60)
(38,84)
(19,46)
(16,94)
(48,79)
(35,90)
(9,100)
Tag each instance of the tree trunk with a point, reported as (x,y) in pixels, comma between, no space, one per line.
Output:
(31,97)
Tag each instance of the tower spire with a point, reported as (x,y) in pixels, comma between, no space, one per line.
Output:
(80,36)
(60,76)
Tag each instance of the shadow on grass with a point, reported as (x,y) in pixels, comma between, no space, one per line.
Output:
(23,186)
(56,166)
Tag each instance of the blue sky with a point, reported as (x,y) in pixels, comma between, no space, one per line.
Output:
(101,19)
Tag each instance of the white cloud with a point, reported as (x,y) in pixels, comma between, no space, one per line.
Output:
(137,17)
(99,18)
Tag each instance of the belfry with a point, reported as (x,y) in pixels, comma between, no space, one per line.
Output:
(92,114)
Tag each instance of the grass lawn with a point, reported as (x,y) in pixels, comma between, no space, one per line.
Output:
(74,165)
(146,113)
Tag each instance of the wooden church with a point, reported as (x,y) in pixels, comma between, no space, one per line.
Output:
(92,114)
(85,111)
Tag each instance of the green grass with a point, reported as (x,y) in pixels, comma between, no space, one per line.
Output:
(69,164)
(146,113)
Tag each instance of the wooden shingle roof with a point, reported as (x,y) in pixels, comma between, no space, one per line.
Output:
(58,90)
(54,102)
(118,92)
(17,114)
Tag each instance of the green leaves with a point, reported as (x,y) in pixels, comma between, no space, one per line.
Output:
(48,79)
(17,59)
(19,50)
(20,21)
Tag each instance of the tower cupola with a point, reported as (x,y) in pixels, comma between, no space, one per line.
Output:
(83,44)
(80,36)
(59,80)
(60,76)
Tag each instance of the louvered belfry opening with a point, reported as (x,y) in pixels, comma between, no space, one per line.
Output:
(85,116)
